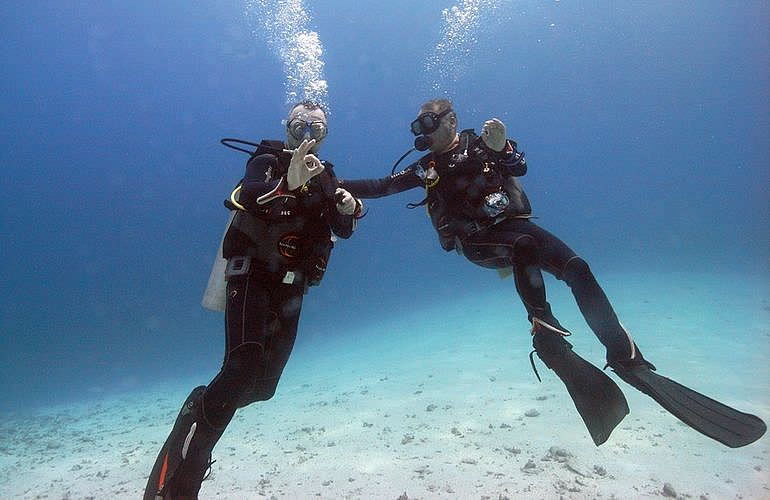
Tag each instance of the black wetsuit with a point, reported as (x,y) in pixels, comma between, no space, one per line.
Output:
(277,245)
(457,184)
(292,235)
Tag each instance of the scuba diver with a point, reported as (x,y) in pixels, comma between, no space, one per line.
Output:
(284,213)
(479,209)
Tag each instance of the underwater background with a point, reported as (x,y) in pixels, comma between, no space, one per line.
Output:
(646,127)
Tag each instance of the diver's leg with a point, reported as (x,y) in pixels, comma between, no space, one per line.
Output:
(561,261)
(186,455)
(261,332)
(531,287)
(176,449)
(597,398)
(501,247)
(706,415)
(285,308)
(248,322)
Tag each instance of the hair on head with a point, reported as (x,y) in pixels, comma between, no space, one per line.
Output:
(310,105)
(437,105)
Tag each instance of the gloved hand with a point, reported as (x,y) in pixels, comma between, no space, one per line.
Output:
(302,166)
(493,134)
(513,162)
(346,203)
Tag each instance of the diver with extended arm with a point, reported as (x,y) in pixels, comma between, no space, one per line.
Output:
(478,208)
(285,211)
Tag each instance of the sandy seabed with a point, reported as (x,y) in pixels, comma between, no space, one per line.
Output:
(442,405)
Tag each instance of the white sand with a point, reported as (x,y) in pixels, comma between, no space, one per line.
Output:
(434,405)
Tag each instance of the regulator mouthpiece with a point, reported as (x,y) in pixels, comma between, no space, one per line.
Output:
(422,143)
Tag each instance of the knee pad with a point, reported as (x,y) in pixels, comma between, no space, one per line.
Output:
(243,360)
(241,368)
(525,250)
(262,390)
(259,390)
(576,270)
(244,371)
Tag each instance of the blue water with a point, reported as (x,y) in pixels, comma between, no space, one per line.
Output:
(646,127)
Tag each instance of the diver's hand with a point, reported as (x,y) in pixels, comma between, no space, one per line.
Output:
(303,166)
(346,203)
(493,134)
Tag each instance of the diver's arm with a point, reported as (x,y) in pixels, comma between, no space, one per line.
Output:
(345,213)
(377,188)
(512,160)
(343,225)
(257,183)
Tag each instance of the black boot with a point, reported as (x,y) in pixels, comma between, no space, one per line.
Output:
(598,400)
(186,455)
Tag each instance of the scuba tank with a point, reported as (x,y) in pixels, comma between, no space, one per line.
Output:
(214,296)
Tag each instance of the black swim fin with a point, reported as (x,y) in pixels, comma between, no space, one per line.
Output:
(598,399)
(707,416)
(185,457)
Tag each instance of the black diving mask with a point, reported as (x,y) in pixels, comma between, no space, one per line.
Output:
(428,122)
(299,129)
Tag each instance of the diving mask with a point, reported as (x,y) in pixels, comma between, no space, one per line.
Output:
(300,129)
(428,122)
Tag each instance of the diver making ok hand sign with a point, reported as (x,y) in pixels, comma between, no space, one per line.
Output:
(478,208)
(285,211)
